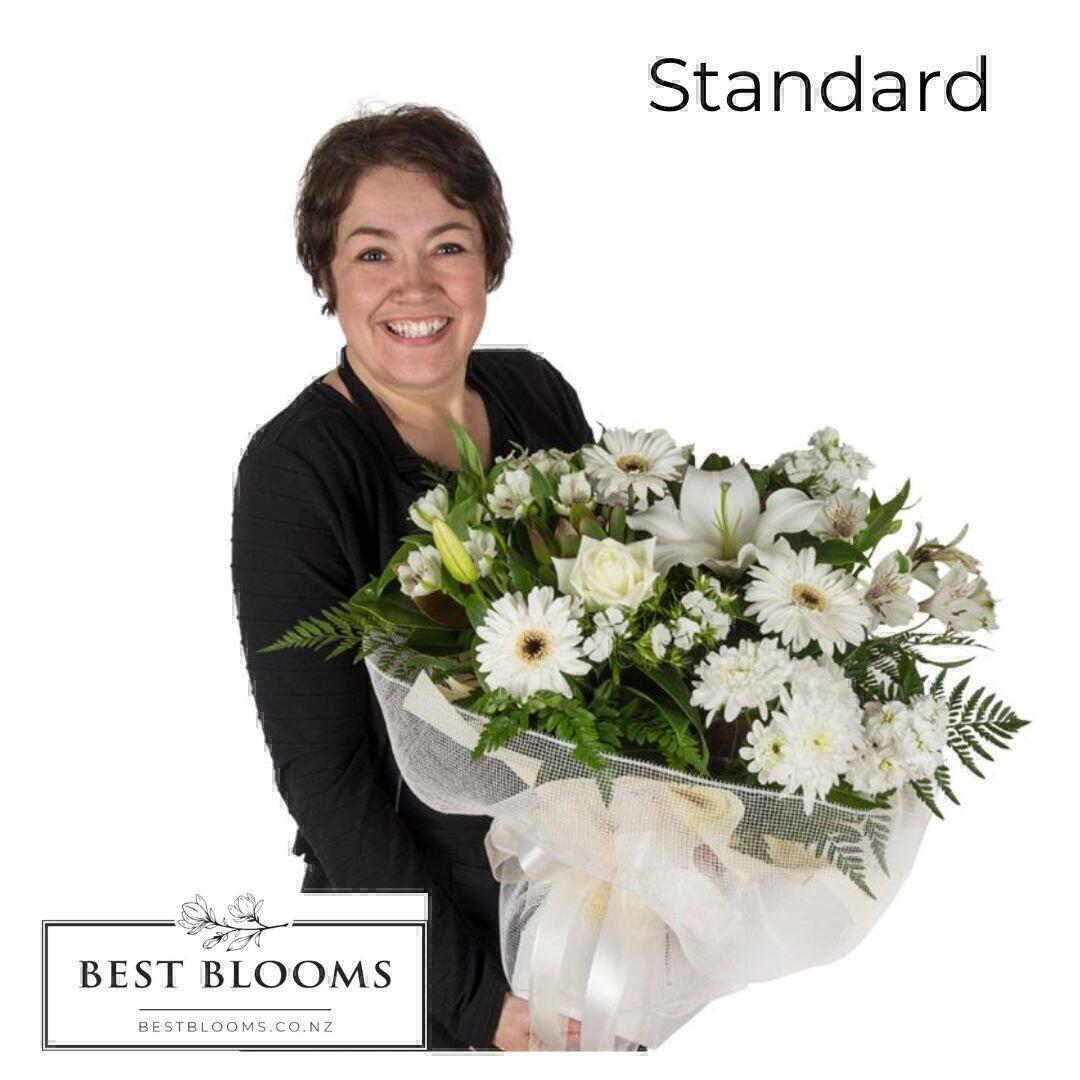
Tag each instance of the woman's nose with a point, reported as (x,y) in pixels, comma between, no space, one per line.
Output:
(415,278)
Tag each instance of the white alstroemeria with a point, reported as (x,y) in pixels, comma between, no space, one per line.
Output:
(553,462)
(801,600)
(421,573)
(434,503)
(660,639)
(719,521)
(530,643)
(482,547)
(683,632)
(639,461)
(842,515)
(962,601)
(512,496)
(887,594)
(573,488)
(606,572)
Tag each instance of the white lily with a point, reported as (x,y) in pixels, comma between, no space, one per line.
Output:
(719,521)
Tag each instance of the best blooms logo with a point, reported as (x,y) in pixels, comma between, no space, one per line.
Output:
(308,983)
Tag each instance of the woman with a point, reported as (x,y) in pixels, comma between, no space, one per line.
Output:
(401,225)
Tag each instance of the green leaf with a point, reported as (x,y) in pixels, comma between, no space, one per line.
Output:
(880,518)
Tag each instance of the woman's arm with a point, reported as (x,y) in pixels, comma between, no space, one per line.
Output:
(287,563)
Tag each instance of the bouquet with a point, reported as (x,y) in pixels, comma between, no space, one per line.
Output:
(709,719)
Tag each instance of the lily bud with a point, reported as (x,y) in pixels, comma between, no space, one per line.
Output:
(456,559)
(567,538)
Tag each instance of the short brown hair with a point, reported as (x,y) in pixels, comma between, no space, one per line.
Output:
(408,136)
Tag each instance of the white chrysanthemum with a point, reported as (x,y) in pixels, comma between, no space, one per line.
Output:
(841,516)
(641,461)
(802,602)
(482,547)
(887,594)
(421,573)
(530,644)
(512,495)
(734,678)
(820,739)
(573,488)
(434,503)
(764,749)
(660,639)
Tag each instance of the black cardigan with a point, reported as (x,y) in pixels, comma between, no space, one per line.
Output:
(320,504)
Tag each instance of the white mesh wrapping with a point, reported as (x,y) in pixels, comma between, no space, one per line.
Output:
(631,914)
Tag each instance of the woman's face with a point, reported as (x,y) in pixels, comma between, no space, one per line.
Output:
(411,278)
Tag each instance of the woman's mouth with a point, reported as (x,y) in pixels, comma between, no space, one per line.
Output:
(417,331)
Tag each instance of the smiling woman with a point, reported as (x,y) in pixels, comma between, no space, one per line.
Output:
(401,225)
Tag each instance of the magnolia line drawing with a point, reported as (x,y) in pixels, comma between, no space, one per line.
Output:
(197,915)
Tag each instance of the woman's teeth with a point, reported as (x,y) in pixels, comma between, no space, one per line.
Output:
(426,328)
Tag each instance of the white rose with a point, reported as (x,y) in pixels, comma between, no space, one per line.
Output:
(606,573)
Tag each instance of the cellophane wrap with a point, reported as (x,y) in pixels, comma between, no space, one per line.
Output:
(632,897)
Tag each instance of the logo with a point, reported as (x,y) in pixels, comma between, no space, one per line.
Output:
(235,981)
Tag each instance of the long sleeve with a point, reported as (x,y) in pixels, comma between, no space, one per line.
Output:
(288,562)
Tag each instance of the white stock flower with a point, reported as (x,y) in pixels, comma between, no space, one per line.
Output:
(512,495)
(746,676)
(719,521)
(802,601)
(421,573)
(902,742)
(434,503)
(660,639)
(606,572)
(833,464)
(842,516)
(573,488)
(530,644)
(483,549)
(887,594)
(641,461)
(962,600)
(607,626)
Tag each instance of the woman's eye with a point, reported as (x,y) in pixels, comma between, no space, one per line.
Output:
(451,244)
(363,256)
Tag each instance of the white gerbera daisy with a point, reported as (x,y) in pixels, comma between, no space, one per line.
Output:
(748,676)
(804,602)
(641,461)
(530,644)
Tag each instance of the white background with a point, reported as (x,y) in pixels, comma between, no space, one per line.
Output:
(738,279)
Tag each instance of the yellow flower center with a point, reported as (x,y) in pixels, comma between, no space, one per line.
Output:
(808,596)
(632,463)
(533,646)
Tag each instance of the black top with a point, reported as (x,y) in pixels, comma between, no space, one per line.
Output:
(320,504)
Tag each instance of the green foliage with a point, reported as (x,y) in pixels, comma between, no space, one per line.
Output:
(880,517)
(981,719)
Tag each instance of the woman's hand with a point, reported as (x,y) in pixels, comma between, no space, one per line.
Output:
(515,1028)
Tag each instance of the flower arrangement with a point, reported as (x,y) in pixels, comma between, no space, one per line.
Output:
(731,621)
